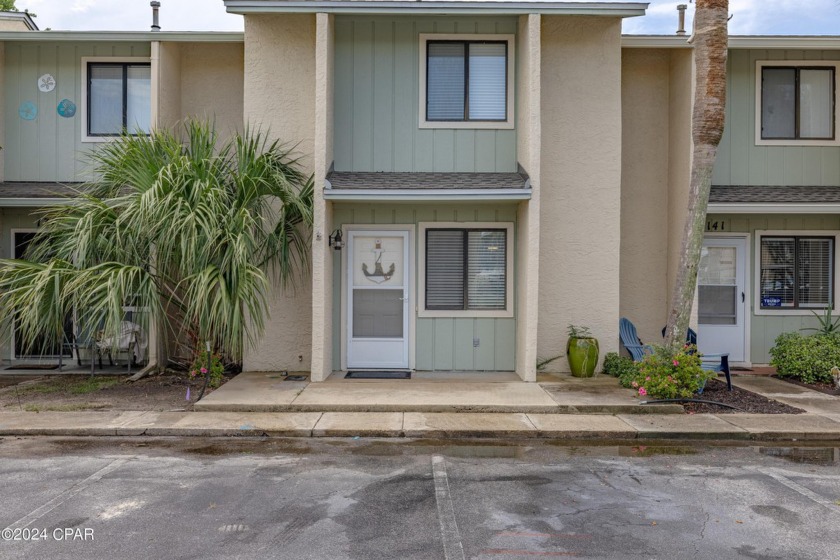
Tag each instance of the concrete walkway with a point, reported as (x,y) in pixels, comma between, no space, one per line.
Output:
(592,427)
(429,409)
(271,392)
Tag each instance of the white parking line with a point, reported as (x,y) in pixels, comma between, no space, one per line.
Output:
(38,513)
(451,537)
(813,496)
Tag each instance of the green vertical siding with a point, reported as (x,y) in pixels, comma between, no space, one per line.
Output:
(444,344)
(377,96)
(765,328)
(740,161)
(49,148)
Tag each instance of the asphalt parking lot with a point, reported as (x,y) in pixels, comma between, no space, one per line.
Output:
(405,499)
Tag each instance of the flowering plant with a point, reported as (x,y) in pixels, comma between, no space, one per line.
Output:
(199,368)
(668,374)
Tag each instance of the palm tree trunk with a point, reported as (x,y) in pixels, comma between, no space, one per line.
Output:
(707,122)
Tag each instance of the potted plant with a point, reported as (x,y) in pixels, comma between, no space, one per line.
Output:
(582,351)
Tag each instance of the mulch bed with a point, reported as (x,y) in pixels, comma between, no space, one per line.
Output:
(746,401)
(827,388)
(56,392)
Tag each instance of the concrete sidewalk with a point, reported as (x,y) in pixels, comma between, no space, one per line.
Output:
(271,392)
(730,427)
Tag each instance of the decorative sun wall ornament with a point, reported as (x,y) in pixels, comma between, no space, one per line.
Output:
(46,83)
(28,111)
(66,108)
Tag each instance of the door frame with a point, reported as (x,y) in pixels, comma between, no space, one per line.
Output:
(748,273)
(411,285)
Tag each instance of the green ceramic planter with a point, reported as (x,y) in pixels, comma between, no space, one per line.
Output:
(582,354)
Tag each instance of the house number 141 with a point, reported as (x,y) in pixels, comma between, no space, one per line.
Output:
(716,226)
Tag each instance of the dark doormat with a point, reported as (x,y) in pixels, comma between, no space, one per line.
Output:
(34,366)
(378,375)
(295,378)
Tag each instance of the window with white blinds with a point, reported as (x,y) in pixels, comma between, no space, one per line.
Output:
(796,272)
(466,81)
(466,269)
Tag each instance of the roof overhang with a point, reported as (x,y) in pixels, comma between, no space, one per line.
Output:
(34,202)
(773,208)
(429,195)
(125,36)
(452,7)
(763,42)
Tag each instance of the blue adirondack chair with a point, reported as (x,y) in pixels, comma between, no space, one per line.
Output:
(718,363)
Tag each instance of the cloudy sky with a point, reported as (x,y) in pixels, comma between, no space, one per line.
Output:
(772,17)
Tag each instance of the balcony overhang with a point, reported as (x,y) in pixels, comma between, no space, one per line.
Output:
(757,199)
(434,7)
(426,186)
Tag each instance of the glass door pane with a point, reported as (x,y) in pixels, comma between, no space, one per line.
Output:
(718,286)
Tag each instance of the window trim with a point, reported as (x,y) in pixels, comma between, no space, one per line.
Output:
(795,64)
(84,101)
(509,39)
(793,311)
(508,312)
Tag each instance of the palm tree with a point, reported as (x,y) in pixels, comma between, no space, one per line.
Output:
(189,228)
(710,51)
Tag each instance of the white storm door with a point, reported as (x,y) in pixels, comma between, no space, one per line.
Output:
(721,293)
(377,299)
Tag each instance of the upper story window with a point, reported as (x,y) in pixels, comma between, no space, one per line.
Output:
(118,97)
(796,103)
(466,81)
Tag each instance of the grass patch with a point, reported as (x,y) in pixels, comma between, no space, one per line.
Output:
(73,407)
(91,385)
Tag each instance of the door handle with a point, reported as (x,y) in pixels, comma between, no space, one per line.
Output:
(403,299)
(742,297)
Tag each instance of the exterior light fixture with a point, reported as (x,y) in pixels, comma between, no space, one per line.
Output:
(336,241)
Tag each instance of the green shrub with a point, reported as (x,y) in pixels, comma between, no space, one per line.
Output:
(806,358)
(666,374)
(620,366)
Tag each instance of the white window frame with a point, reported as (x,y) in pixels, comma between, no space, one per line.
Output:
(509,123)
(472,313)
(83,112)
(759,66)
(757,310)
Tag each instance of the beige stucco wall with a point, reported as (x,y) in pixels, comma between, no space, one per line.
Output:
(645,85)
(200,80)
(528,126)
(211,84)
(279,97)
(322,261)
(13,24)
(168,78)
(580,210)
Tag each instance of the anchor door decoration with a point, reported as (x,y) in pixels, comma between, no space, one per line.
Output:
(377,299)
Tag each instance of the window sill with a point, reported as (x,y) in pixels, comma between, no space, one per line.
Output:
(473,125)
(789,312)
(800,143)
(467,314)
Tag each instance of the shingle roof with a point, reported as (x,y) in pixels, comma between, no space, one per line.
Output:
(748,194)
(414,181)
(12,189)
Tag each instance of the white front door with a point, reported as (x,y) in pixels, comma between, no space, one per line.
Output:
(721,292)
(377,299)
